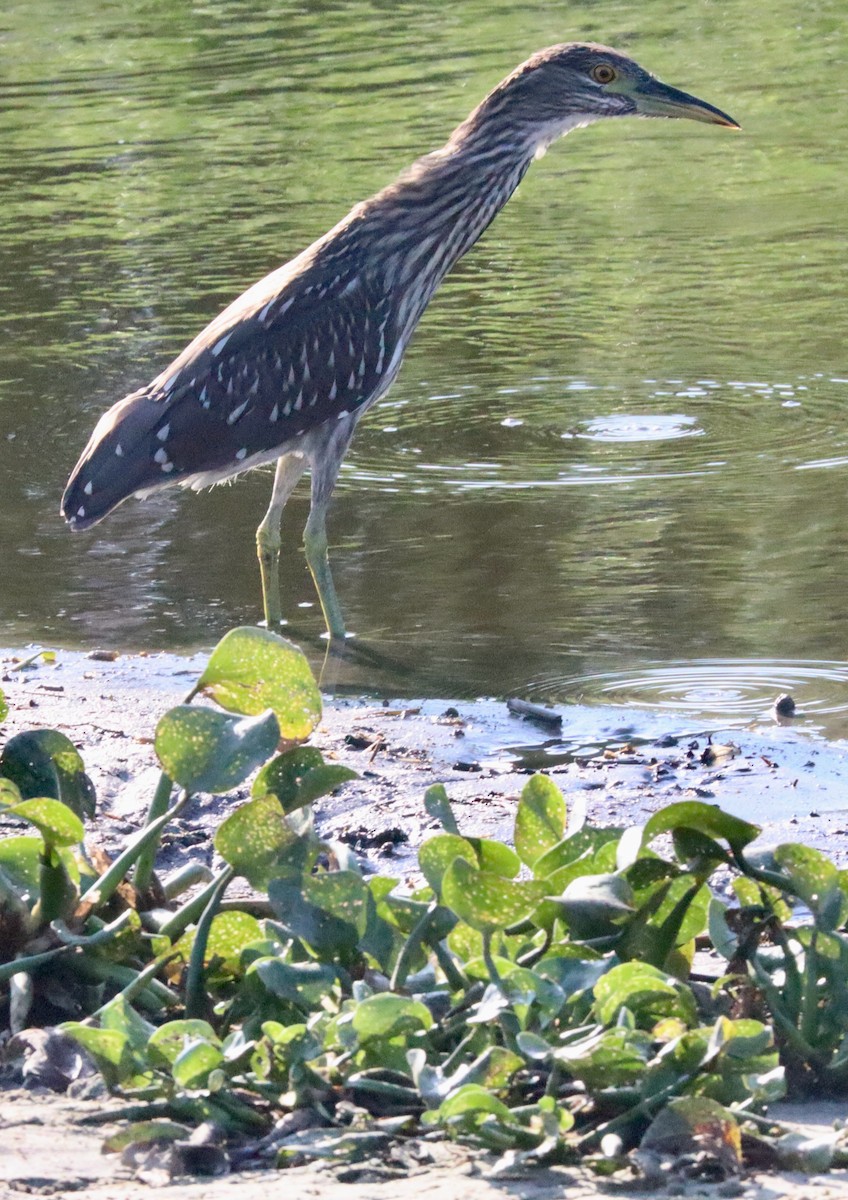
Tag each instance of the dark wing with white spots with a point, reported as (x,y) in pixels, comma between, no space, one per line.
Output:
(297,350)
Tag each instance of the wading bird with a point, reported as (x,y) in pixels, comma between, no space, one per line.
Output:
(286,371)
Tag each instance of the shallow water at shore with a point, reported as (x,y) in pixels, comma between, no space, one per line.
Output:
(620,762)
(615,461)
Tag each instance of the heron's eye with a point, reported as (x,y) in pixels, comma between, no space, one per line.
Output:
(603,73)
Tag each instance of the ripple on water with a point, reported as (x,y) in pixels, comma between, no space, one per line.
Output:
(730,691)
(631,427)
(566,432)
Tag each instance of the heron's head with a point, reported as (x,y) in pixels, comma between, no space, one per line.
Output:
(579,82)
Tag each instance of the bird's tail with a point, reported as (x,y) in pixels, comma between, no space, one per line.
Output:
(116,463)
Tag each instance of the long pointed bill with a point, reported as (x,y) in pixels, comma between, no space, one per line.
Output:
(655,99)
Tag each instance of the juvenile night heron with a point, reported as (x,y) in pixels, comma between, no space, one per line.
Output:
(286,372)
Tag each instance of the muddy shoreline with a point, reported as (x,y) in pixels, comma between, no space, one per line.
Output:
(620,764)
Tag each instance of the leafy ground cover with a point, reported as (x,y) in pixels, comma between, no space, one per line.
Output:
(541,999)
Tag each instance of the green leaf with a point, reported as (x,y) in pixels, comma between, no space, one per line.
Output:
(229,934)
(533,1046)
(539,820)
(702,1061)
(141,1133)
(746,1038)
(755,894)
(648,993)
(251,670)
(437,854)
(558,881)
(811,1153)
(705,818)
(170,1040)
(767,1087)
(437,805)
(696,849)
(697,1125)
(573,847)
(193,1064)
(110,1049)
(21,861)
(671,912)
(121,1016)
(56,823)
(387,1016)
(10,793)
(596,905)
(485,900)
(4,707)
(329,913)
(299,777)
(342,893)
(496,857)
(518,987)
(493,1069)
(812,876)
(473,1100)
(206,751)
(466,944)
(259,843)
(724,941)
(45,763)
(281,1053)
(573,976)
(329,937)
(305,984)
(294,1043)
(607,1058)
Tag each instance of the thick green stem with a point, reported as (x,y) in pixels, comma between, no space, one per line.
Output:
(782,1020)
(186,877)
(55,894)
(793,988)
(644,1109)
(533,956)
(29,963)
(810,1003)
(158,807)
(456,1055)
(507,1019)
(70,941)
(141,982)
(410,946)
(494,975)
(195,992)
(456,980)
(760,874)
(103,888)
(192,910)
(396,1093)
(154,996)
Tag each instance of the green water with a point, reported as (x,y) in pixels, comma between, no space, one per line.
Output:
(615,461)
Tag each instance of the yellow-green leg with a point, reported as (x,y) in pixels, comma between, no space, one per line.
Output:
(324,465)
(317,558)
(289,470)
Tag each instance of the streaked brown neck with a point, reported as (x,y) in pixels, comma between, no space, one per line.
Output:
(424,222)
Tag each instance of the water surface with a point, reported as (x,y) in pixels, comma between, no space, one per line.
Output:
(617,448)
